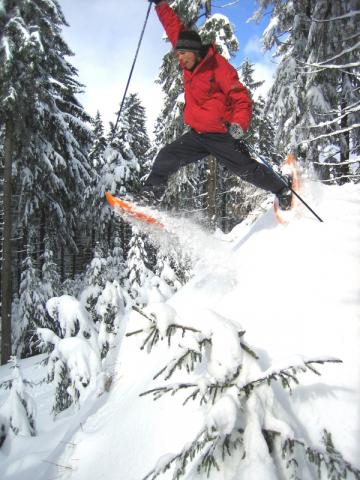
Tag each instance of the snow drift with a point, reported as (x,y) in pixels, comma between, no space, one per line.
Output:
(294,291)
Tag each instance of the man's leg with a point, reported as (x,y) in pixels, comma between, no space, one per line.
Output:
(181,152)
(240,162)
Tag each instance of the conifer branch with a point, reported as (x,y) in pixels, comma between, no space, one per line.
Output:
(154,335)
(287,374)
(336,466)
(284,375)
(205,447)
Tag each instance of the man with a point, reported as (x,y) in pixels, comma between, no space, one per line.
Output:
(218,110)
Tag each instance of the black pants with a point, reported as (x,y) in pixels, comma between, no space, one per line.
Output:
(194,146)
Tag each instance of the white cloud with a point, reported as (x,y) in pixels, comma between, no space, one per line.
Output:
(264,65)
(104,39)
(253,47)
(264,72)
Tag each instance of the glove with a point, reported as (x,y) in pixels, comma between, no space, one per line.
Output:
(235,131)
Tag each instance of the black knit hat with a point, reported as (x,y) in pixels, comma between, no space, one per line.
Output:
(189,40)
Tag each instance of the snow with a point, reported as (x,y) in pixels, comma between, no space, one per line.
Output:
(222,416)
(293,289)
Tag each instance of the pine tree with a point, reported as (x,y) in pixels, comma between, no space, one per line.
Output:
(316,90)
(38,96)
(94,282)
(74,363)
(243,418)
(45,126)
(115,263)
(134,130)
(99,143)
(120,174)
(137,264)
(31,309)
(50,279)
(110,310)
(18,409)
(168,282)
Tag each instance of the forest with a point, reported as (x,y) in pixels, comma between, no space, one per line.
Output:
(63,247)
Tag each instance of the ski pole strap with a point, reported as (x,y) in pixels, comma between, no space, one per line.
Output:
(132,68)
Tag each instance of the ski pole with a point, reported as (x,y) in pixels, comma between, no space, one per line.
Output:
(132,67)
(267,164)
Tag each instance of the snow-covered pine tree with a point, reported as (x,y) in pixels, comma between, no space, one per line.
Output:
(120,174)
(110,309)
(133,128)
(316,90)
(18,410)
(244,422)
(167,280)
(115,263)
(50,125)
(287,31)
(74,364)
(333,86)
(137,265)
(262,130)
(31,312)
(99,143)
(94,281)
(46,129)
(50,278)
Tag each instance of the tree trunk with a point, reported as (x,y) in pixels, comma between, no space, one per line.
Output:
(211,181)
(211,190)
(6,292)
(344,169)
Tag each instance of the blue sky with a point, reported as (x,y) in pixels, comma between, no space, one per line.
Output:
(103,36)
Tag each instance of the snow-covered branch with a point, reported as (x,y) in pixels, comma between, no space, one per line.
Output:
(337,164)
(331,134)
(209,391)
(340,17)
(342,177)
(211,446)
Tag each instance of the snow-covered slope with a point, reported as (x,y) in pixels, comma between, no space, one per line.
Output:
(294,290)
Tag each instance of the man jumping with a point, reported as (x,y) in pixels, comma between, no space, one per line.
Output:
(218,110)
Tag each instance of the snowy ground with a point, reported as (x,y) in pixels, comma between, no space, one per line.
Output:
(293,289)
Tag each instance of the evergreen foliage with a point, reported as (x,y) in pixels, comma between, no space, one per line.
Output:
(18,410)
(37,95)
(133,128)
(138,268)
(46,136)
(110,310)
(315,94)
(94,281)
(99,143)
(240,419)
(74,364)
(31,309)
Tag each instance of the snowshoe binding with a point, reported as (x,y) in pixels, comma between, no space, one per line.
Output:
(285,200)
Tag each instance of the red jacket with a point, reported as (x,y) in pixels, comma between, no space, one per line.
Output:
(213,94)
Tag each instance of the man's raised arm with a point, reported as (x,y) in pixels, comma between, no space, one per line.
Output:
(169,20)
